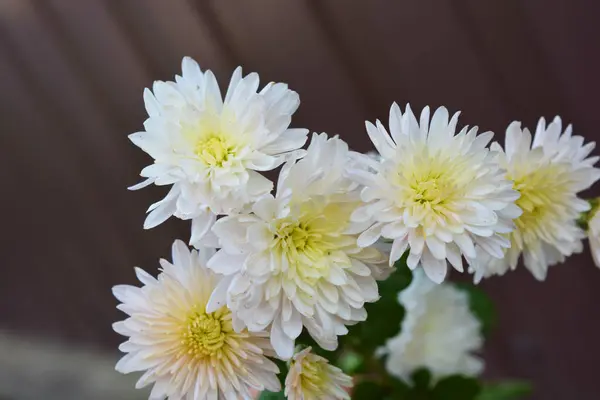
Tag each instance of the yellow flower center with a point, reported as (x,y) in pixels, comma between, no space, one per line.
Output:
(310,240)
(205,334)
(542,200)
(429,188)
(292,237)
(433,189)
(314,377)
(214,149)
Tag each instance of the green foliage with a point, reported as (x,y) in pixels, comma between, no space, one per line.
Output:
(420,387)
(283,370)
(585,217)
(368,390)
(271,396)
(400,389)
(481,305)
(456,387)
(351,362)
(509,390)
(384,316)
(421,378)
(449,388)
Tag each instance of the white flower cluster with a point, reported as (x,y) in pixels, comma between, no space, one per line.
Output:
(270,265)
(439,332)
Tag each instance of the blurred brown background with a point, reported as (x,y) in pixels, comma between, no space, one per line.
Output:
(71,79)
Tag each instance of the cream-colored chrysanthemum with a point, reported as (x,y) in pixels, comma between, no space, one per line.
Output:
(185,351)
(311,377)
(294,262)
(435,192)
(439,332)
(548,173)
(210,149)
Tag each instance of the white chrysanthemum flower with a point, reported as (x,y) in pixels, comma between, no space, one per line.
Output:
(439,332)
(294,261)
(311,377)
(433,191)
(548,173)
(210,149)
(187,352)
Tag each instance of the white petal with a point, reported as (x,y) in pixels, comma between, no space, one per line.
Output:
(283,344)
(399,246)
(434,269)
(436,247)
(218,298)
(201,226)
(225,263)
(181,254)
(370,236)
(160,214)
(142,184)
(381,140)
(293,327)
(152,106)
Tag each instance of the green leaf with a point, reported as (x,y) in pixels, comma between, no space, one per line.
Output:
(400,389)
(266,395)
(421,378)
(481,305)
(368,390)
(351,362)
(384,316)
(510,390)
(398,280)
(585,217)
(283,370)
(456,387)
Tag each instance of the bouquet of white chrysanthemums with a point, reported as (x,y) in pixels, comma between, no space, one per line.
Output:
(330,284)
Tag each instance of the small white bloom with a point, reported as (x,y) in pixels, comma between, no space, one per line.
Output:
(294,261)
(438,332)
(185,351)
(210,149)
(311,377)
(435,192)
(548,173)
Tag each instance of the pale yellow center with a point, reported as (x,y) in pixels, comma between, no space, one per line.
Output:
(429,189)
(542,191)
(308,241)
(293,237)
(214,149)
(314,377)
(432,189)
(205,334)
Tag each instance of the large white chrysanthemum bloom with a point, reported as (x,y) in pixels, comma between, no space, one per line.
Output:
(210,149)
(185,351)
(548,172)
(294,260)
(433,191)
(311,377)
(438,332)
